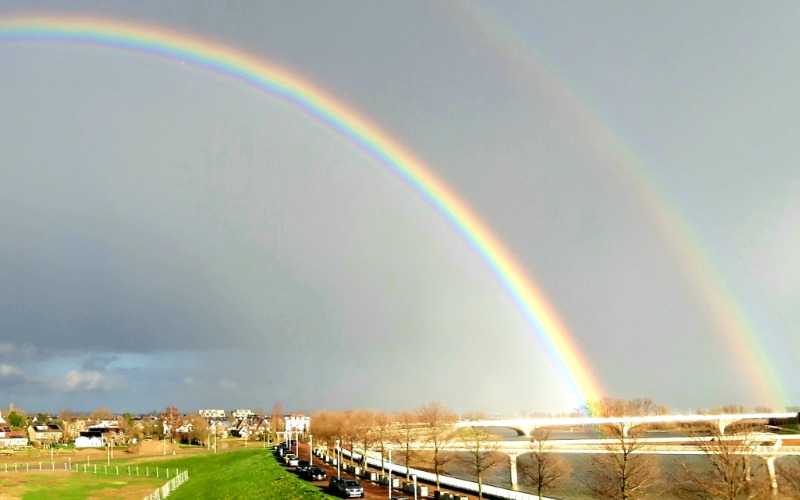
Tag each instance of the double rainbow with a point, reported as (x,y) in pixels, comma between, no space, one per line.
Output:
(276,81)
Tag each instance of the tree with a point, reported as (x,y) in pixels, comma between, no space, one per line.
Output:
(276,421)
(611,407)
(622,472)
(199,432)
(100,414)
(17,420)
(406,437)
(65,420)
(437,422)
(480,453)
(789,472)
(172,419)
(382,433)
(728,473)
(545,468)
(363,436)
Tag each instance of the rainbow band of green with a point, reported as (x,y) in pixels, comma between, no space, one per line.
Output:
(277,81)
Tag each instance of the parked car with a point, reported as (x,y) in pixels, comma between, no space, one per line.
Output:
(314,473)
(347,488)
(289,456)
(302,465)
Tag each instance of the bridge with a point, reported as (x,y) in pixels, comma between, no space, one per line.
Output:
(525,426)
(767,446)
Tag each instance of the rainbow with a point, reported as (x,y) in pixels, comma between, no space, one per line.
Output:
(725,314)
(245,69)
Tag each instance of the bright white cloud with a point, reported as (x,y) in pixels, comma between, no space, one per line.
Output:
(76,380)
(8,371)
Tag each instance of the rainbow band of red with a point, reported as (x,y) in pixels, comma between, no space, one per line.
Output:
(259,74)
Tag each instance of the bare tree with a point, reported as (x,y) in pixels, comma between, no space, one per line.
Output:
(363,434)
(405,438)
(437,422)
(480,453)
(789,472)
(611,407)
(276,421)
(66,420)
(545,468)
(100,414)
(172,419)
(200,431)
(382,433)
(620,471)
(728,474)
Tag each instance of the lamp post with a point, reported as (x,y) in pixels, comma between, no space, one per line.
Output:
(390,473)
(338,460)
(414,477)
(310,450)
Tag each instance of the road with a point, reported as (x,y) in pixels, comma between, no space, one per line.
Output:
(372,491)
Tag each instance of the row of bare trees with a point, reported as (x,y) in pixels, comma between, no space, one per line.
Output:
(431,424)
(730,467)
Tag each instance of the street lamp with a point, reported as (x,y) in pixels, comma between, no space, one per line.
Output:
(310,450)
(338,460)
(390,473)
(414,477)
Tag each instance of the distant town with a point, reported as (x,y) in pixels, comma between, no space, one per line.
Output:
(102,428)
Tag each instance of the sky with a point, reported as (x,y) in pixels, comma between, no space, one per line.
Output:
(171,237)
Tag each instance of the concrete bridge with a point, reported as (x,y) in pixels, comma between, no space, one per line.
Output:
(525,426)
(767,446)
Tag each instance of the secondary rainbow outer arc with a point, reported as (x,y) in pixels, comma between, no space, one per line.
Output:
(724,312)
(257,73)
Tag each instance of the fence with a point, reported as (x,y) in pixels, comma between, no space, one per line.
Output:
(178,478)
(172,484)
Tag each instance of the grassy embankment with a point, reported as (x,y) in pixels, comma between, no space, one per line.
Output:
(244,473)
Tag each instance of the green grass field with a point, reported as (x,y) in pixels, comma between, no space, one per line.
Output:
(246,474)
(243,473)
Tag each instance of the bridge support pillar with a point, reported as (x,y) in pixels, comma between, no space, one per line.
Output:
(773,480)
(722,425)
(512,462)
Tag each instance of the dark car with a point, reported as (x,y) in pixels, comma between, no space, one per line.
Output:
(347,488)
(302,465)
(314,473)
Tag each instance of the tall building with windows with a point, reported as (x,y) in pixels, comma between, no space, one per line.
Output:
(218,414)
(297,422)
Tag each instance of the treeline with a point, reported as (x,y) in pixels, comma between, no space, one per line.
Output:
(734,464)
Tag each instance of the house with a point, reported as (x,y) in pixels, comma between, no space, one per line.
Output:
(263,427)
(297,422)
(12,439)
(88,441)
(45,433)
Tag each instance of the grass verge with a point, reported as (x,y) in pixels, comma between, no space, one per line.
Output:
(246,474)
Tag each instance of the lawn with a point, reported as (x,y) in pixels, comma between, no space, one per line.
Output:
(249,473)
(242,473)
